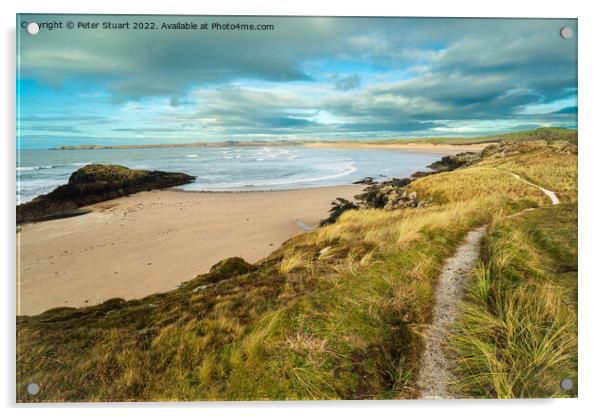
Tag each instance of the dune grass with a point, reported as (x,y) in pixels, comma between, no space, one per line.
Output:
(336,313)
(543,133)
(552,166)
(518,333)
(476,182)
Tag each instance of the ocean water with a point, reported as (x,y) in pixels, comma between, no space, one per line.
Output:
(225,168)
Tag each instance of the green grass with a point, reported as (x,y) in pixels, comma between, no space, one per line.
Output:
(543,133)
(336,313)
(518,333)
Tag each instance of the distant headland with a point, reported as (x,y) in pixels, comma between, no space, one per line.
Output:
(428,143)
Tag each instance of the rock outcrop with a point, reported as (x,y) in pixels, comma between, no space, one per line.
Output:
(452,162)
(396,197)
(337,208)
(96,183)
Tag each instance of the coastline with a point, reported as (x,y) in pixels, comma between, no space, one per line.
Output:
(442,148)
(150,242)
(448,148)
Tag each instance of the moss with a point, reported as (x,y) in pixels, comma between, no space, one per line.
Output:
(230,267)
(96,173)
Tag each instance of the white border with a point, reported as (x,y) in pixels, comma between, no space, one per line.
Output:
(590,132)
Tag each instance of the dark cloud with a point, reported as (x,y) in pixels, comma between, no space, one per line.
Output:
(567,110)
(385,76)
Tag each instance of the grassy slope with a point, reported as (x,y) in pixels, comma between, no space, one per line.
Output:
(334,313)
(518,334)
(543,133)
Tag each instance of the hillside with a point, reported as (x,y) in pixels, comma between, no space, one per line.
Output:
(542,133)
(338,312)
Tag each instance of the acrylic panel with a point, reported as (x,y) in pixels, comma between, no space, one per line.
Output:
(218,208)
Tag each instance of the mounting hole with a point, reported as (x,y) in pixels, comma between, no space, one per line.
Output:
(566,384)
(566,32)
(33,28)
(33,389)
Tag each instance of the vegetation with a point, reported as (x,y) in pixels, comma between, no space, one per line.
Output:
(552,166)
(518,333)
(96,173)
(549,134)
(336,313)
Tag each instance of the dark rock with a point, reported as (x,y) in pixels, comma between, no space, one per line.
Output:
(373,198)
(448,163)
(366,181)
(96,183)
(419,174)
(337,208)
(398,197)
(392,194)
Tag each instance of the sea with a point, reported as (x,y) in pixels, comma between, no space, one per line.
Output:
(234,168)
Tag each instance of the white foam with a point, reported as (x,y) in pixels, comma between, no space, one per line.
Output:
(25,168)
(267,183)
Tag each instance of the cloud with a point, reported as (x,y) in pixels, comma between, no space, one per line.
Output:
(567,110)
(310,77)
(348,83)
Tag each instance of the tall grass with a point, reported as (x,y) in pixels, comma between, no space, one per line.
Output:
(552,166)
(517,335)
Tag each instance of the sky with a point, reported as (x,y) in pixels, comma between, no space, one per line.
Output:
(310,78)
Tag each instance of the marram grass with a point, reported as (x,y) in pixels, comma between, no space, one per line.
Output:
(518,333)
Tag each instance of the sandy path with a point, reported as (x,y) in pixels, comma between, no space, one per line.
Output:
(435,370)
(149,242)
(549,194)
(435,375)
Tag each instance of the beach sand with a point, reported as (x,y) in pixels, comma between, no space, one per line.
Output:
(151,241)
(441,148)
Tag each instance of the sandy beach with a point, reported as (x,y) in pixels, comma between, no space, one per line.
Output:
(151,241)
(443,148)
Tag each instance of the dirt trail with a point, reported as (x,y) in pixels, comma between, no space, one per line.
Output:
(435,376)
(435,371)
(550,194)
